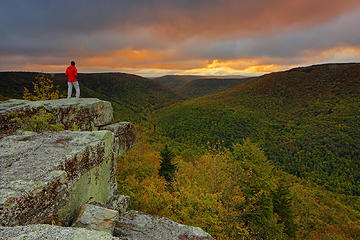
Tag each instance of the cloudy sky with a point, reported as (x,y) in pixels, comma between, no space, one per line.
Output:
(158,37)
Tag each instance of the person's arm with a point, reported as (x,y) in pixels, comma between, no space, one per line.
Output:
(67,72)
(76,74)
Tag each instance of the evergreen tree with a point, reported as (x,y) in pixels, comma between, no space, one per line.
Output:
(167,168)
(282,202)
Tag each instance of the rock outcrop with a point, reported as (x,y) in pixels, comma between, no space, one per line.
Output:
(119,203)
(43,231)
(87,113)
(97,218)
(52,174)
(134,225)
(68,177)
(124,135)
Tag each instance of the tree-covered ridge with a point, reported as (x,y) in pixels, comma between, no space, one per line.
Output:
(201,87)
(189,86)
(12,83)
(2,98)
(174,82)
(305,119)
(132,96)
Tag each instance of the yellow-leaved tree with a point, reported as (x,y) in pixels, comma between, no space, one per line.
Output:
(43,89)
(42,121)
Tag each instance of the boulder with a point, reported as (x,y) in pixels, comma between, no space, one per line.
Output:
(43,231)
(53,173)
(96,218)
(87,113)
(119,203)
(134,225)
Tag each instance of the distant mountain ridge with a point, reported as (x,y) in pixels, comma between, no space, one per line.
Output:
(190,86)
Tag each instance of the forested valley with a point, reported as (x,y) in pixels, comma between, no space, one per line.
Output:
(272,157)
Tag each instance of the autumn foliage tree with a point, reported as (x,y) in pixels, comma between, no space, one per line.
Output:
(43,89)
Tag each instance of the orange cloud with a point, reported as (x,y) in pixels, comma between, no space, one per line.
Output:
(141,58)
(31,67)
(341,53)
(242,66)
(125,57)
(261,65)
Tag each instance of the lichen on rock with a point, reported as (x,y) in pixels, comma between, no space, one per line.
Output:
(54,173)
(136,225)
(96,218)
(43,231)
(87,113)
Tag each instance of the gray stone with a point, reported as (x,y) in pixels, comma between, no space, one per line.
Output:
(124,135)
(86,113)
(96,218)
(53,174)
(51,232)
(119,128)
(119,203)
(134,225)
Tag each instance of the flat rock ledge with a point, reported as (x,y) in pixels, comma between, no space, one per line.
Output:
(87,113)
(43,231)
(134,225)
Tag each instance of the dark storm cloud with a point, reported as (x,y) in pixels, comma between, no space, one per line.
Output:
(288,43)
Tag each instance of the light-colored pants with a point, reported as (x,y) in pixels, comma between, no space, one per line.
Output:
(77,88)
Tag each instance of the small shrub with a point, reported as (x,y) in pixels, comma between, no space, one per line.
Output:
(36,123)
(74,127)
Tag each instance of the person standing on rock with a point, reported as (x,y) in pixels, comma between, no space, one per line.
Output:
(72,75)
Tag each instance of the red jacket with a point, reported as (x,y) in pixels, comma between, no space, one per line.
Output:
(71,73)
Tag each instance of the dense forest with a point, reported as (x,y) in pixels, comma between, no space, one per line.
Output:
(235,194)
(306,120)
(274,157)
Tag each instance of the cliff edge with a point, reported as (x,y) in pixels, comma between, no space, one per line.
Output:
(68,177)
(51,174)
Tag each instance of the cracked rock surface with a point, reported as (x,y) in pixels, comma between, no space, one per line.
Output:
(134,225)
(53,174)
(96,218)
(87,113)
(43,231)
